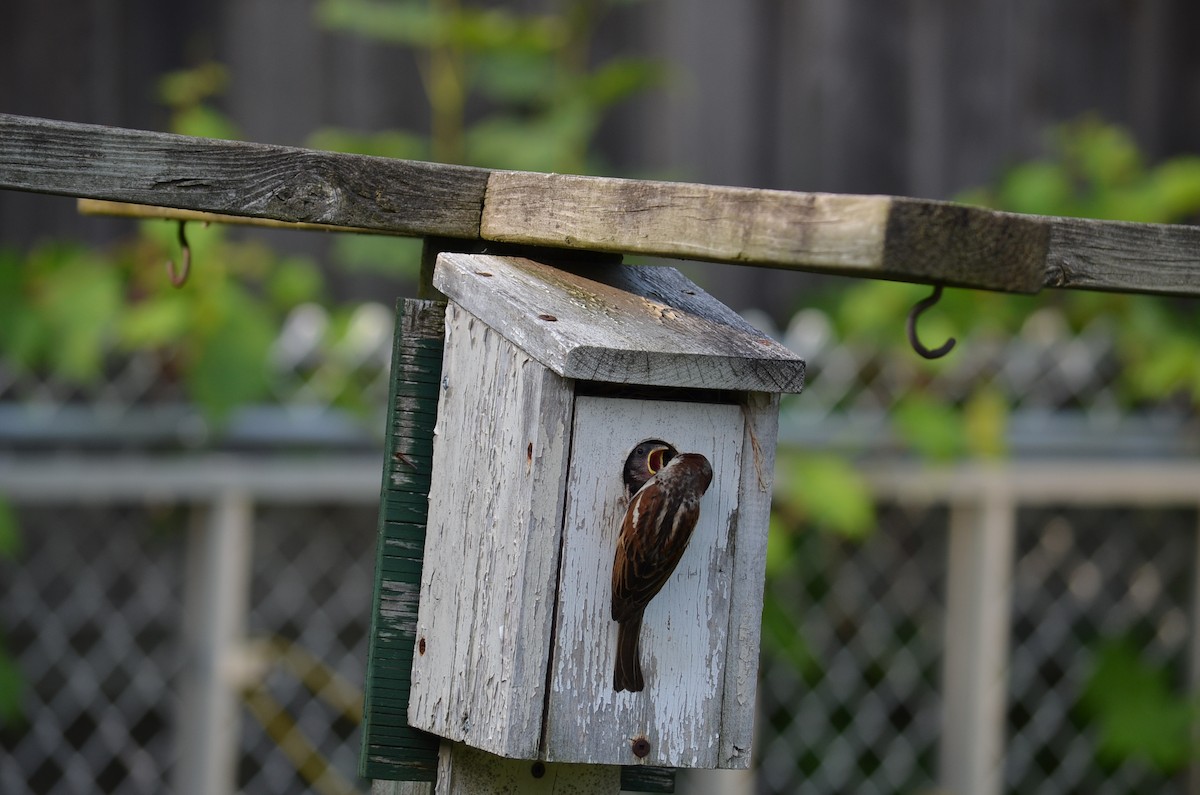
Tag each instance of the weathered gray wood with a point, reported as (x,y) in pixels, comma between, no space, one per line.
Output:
(384,787)
(978,622)
(685,632)
(238,178)
(463,770)
(761,414)
(871,236)
(866,236)
(618,323)
(487,588)
(1124,257)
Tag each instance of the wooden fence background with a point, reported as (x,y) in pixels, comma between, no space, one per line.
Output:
(909,97)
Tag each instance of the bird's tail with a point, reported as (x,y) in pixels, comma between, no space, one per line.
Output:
(627,674)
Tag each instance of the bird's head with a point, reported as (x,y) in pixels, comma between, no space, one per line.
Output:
(645,461)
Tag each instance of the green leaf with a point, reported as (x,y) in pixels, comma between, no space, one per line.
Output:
(188,87)
(423,25)
(1039,187)
(230,366)
(985,423)
(781,637)
(875,311)
(930,427)
(204,122)
(1105,153)
(388,143)
(1173,365)
(81,303)
(384,254)
(1136,712)
(516,78)
(294,281)
(829,492)
(554,142)
(155,322)
(1177,184)
(621,78)
(779,547)
(12,684)
(10,536)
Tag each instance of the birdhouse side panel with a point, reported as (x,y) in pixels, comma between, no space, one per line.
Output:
(761,410)
(495,517)
(684,635)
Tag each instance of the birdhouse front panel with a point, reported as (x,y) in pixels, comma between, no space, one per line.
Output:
(675,720)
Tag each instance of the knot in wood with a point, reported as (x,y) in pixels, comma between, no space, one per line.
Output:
(308,196)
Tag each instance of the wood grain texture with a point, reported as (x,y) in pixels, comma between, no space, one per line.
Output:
(238,178)
(647,779)
(760,412)
(677,219)
(463,770)
(385,787)
(868,236)
(495,514)
(684,636)
(1124,257)
(618,323)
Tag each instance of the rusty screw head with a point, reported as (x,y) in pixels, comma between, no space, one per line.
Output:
(641,747)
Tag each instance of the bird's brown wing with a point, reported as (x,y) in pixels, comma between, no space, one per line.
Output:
(654,535)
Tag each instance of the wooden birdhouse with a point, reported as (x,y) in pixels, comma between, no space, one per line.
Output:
(550,378)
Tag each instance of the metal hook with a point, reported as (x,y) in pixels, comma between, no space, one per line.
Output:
(180,277)
(913,314)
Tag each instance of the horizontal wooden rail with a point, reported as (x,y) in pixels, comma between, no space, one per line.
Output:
(238,178)
(869,236)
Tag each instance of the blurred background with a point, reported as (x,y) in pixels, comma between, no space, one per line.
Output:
(982,571)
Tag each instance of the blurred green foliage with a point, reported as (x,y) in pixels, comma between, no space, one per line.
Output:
(1096,171)
(68,308)
(1136,711)
(504,90)
(512,90)
(1092,169)
(535,102)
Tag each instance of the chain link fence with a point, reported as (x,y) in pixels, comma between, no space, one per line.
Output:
(863,715)
(92,607)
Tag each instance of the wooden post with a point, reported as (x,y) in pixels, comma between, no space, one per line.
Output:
(218,590)
(392,749)
(977,627)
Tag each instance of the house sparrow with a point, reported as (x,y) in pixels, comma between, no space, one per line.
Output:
(654,534)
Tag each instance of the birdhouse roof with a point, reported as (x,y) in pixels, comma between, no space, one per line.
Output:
(644,325)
